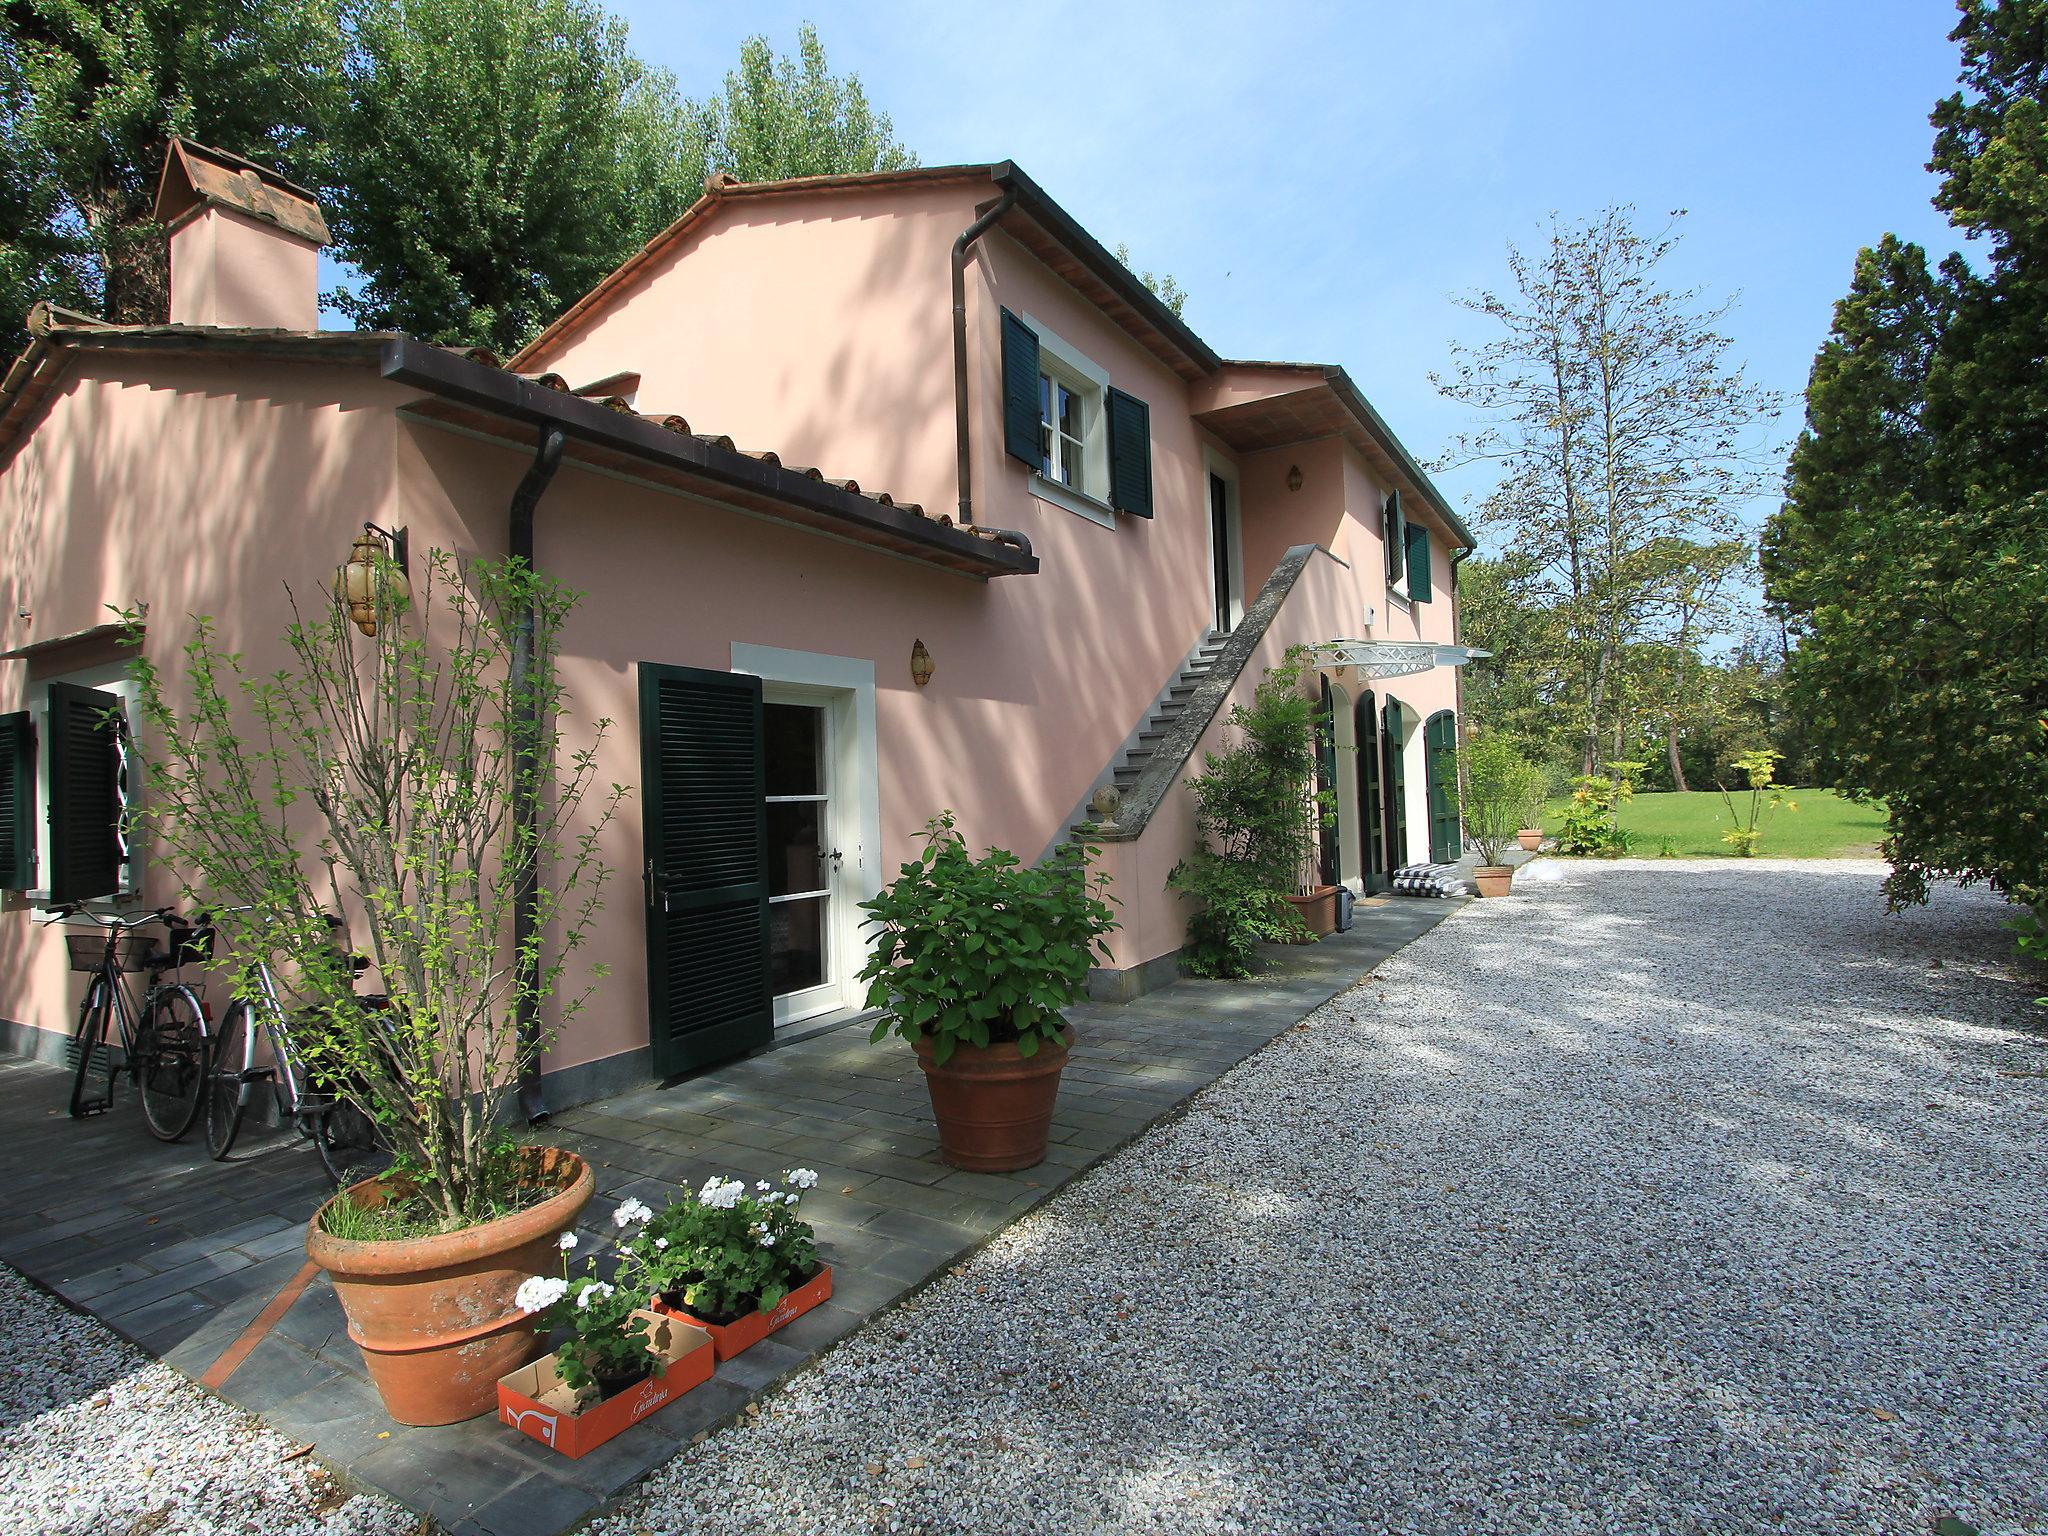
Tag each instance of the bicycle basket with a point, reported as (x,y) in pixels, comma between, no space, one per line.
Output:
(132,951)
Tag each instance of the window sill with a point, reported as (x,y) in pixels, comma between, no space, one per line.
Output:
(1077,502)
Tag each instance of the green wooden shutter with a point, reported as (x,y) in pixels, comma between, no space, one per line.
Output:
(17,801)
(1327,863)
(87,852)
(1130,454)
(1021,419)
(1418,563)
(1372,838)
(1440,755)
(1393,763)
(1394,527)
(702,778)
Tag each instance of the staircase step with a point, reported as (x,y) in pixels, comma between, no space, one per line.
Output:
(1151,735)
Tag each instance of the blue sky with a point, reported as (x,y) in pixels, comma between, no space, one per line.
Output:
(1326,179)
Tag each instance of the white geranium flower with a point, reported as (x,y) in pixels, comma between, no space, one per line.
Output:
(767,1239)
(661,1242)
(566,1241)
(802,1178)
(597,1290)
(721,1194)
(763,1185)
(630,1211)
(539,1292)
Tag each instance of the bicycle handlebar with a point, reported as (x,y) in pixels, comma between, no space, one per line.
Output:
(77,909)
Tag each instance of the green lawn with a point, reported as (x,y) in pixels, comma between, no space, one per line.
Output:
(1824,827)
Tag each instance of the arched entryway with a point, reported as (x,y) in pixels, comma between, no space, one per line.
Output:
(1440,764)
(1371,819)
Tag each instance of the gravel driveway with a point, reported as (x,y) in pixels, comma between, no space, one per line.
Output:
(1663,1198)
(97,1439)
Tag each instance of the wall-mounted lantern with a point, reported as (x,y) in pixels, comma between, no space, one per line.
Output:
(921,668)
(1294,477)
(375,579)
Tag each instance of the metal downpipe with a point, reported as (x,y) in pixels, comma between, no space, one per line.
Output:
(961,443)
(547,458)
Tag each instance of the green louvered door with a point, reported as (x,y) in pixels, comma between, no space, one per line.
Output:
(1372,837)
(702,782)
(1440,756)
(1395,784)
(1326,784)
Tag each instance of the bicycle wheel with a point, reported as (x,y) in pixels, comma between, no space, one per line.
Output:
(171,1059)
(94,1056)
(351,1144)
(227,1086)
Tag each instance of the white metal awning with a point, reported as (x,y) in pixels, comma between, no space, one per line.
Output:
(1395,658)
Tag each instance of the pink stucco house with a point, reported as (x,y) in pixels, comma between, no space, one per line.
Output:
(1029,474)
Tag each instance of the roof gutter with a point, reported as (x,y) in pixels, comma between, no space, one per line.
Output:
(962,445)
(438,371)
(1363,409)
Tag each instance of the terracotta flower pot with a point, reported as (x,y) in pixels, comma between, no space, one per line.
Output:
(993,1104)
(1531,838)
(1317,910)
(434,1316)
(1493,879)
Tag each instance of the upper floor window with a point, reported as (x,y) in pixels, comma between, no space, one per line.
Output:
(1067,413)
(1089,442)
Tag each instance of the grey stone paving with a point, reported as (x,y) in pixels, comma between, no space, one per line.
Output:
(179,1254)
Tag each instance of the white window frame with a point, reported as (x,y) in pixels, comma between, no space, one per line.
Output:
(1064,363)
(112,677)
(845,687)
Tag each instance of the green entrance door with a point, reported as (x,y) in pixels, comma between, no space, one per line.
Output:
(1372,837)
(1394,783)
(702,778)
(1440,757)
(1326,784)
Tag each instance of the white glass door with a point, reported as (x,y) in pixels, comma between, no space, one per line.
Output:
(803,860)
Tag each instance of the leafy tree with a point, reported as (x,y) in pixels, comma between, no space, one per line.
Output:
(1907,558)
(780,117)
(1164,288)
(496,159)
(91,93)
(1621,430)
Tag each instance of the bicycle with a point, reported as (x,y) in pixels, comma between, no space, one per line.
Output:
(347,1140)
(164,1046)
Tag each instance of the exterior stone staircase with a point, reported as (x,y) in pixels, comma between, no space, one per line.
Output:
(1156,756)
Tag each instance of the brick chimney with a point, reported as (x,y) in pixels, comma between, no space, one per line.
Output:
(244,242)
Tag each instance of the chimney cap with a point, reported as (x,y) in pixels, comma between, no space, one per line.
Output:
(197,174)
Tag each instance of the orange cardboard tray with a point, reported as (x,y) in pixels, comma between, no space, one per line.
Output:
(536,1401)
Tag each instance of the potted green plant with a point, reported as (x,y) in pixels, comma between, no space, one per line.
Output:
(1257,812)
(1500,786)
(975,961)
(604,1330)
(404,771)
(738,1263)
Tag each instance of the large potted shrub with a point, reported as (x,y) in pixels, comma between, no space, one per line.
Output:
(1500,786)
(403,773)
(976,958)
(1256,820)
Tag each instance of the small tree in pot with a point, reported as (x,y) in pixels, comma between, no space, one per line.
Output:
(977,958)
(1500,787)
(1257,817)
(405,768)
